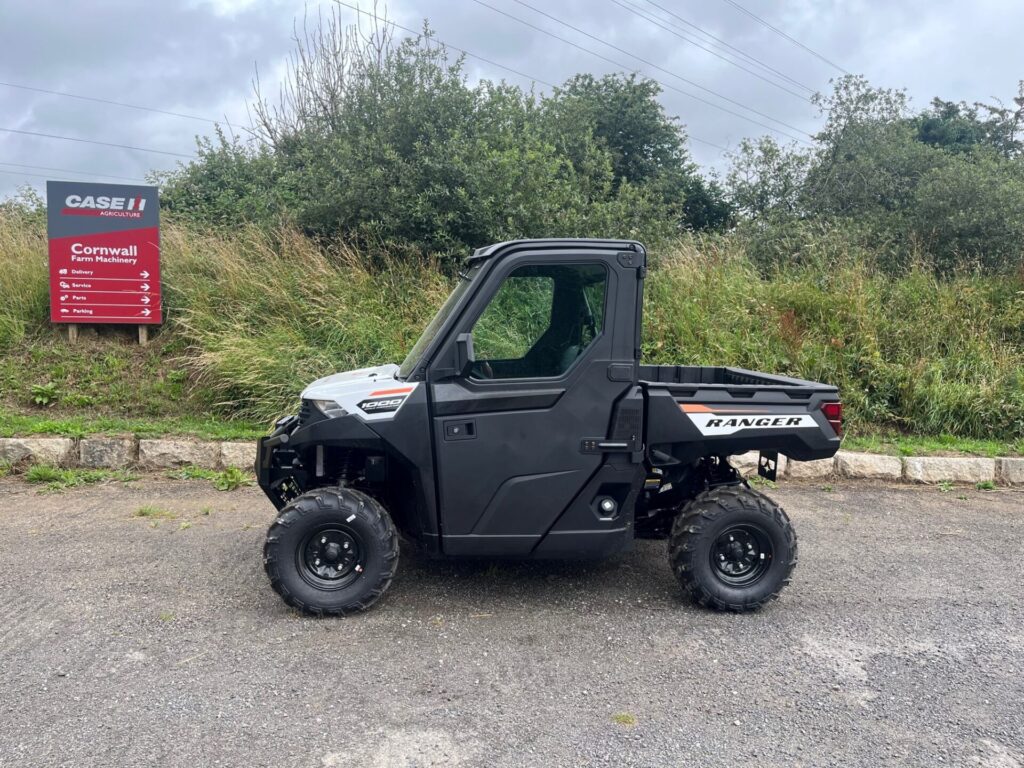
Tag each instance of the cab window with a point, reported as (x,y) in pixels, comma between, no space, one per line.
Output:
(540,321)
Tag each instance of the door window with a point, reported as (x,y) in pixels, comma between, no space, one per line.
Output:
(540,321)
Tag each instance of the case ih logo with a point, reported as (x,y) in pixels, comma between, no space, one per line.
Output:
(104,205)
(378,403)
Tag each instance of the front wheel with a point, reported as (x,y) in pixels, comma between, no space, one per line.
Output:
(732,549)
(331,552)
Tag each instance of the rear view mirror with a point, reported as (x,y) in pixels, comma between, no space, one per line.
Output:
(464,355)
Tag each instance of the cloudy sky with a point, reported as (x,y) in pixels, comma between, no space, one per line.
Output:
(198,59)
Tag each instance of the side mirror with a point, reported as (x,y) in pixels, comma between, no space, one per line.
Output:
(464,355)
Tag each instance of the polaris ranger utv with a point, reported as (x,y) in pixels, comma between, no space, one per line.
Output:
(523,424)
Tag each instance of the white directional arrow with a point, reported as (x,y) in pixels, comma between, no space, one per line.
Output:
(144,274)
(145,299)
(146,311)
(144,286)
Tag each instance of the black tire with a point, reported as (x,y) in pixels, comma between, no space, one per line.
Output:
(732,549)
(331,552)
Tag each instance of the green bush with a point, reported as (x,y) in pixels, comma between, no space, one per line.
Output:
(385,145)
(943,187)
(918,353)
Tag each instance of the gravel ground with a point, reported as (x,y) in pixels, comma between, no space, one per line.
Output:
(157,641)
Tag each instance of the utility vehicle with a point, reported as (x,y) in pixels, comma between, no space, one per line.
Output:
(523,424)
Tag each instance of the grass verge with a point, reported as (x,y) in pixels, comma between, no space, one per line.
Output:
(941,445)
(77,425)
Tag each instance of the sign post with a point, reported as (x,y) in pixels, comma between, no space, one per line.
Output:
(104,255)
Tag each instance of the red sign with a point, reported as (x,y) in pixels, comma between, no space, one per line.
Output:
(104,253)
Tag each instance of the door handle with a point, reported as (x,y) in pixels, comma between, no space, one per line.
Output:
(460,429)
(600,445)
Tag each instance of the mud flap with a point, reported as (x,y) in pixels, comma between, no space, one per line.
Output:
(768,465)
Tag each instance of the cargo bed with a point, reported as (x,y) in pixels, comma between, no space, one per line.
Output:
(695,410)
(722,376)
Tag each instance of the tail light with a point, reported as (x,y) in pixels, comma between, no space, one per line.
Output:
(834,415)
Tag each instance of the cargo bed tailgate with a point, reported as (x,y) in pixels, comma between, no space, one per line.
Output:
(696,411)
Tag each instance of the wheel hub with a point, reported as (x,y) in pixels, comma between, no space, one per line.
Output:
(331,554)
(741,555)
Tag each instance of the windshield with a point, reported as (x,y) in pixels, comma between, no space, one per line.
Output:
(413,358)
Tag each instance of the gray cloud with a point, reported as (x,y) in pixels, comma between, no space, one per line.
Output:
(199,58)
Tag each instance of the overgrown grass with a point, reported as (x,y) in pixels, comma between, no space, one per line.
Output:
(223,480)
(265,316)
(57,479)
(24,288)
(254,317)
(913,353)
(249,321)
(109,372)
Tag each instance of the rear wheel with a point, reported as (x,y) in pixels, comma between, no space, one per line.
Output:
(331,552)
(732,549)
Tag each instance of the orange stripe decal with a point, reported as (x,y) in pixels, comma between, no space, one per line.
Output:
(695,408)
(699,408)
(400,391)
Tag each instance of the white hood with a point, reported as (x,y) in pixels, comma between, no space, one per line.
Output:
(370,393)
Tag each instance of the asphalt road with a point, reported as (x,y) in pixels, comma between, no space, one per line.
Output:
(128,641)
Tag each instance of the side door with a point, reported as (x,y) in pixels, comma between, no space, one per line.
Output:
(549,339)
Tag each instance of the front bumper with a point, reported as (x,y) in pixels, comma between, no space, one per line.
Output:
(276,461)
(287,458)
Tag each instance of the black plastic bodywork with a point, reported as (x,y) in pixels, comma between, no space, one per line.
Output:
(558,466)
(669,386)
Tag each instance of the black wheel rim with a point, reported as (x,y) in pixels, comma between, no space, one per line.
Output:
(331,557)
(741,555)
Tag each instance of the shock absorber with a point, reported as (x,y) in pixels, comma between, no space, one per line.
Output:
(349,468)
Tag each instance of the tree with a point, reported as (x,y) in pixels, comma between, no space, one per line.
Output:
(961,127)
(945,182)
(866,158)
(765,180)
(646,146)
(383,142)
(969,212)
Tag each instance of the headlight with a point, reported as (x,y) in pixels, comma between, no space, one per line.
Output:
(329,408)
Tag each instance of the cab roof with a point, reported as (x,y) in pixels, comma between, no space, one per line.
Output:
(560,244)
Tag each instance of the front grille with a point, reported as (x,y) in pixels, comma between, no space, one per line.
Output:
(307,413)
